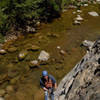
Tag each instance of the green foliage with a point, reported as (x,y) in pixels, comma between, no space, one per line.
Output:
(16,13)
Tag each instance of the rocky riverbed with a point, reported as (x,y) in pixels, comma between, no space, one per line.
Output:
(55,48)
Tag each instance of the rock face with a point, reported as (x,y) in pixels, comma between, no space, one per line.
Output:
(83,82)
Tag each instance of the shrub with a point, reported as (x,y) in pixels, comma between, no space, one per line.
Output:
(16,13)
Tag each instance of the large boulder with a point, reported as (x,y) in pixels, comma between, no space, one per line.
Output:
(93,13)
(83,82)
(44,56)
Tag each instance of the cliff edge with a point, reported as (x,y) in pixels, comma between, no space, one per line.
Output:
(83,82)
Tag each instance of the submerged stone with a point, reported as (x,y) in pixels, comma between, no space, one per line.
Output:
(12,49)
(34,48)
(2,92)
(9,89)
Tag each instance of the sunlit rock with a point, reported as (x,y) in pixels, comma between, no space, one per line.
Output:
(44,56)
(85,5)
(1,98)
(79,18)
(2,51)
(58,47)
(76,22)
(62,52)
(79,11)
(93,13)
(38,24)
(22,55)
(31,29)
(34,63)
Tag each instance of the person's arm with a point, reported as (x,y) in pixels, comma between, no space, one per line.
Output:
(55,85)
(54,81)
(42,85)
(45,89)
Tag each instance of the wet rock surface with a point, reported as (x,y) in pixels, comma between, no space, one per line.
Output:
(83,82)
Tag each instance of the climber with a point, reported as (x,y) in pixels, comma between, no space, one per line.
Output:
(48,84)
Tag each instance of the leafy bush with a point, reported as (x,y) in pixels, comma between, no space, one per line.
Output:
(16,13)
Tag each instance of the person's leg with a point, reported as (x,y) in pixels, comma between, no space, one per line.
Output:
(52,94)
(46,95)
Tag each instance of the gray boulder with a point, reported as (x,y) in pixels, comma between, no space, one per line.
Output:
(83,82)
(93,13)
(44,56)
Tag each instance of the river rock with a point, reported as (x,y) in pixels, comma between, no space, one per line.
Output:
(74,12)
(34,63)
(2,92)
(44,56)
(85,5)
(12,49)
(79,11)
(34,48)
(31,29)
(14,80)
(38,24)
(1,98)
(93,13)
(98,1)
(76,22)
(3,77)
(87,44)
(12,72)
(79,18)
(62,52)
(9,89)
(22,55)
(52,35)
(2,51)
(58,47)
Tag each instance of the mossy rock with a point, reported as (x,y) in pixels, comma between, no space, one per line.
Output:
(3,77)
(2,92)
(33,48)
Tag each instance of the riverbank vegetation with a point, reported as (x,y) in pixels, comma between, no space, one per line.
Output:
(17,14)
